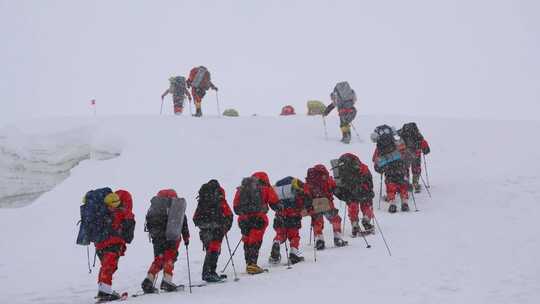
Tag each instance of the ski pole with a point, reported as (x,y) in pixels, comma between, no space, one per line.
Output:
(325,129)
(344,217)
(189,271)
(425,186)
(414,201)
(425,168)
(382,235)
(161,108)
(357,135)
(230,253)
(217,102)
(190,110)
(230,259)
(380,193)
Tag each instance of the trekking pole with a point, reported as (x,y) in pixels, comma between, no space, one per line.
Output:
(364,237)
(414,201)
(230,253)
(287,253)
(314,246)
(325,129)
(425,186)
(357,135)
(230,259)
(344,217)
(425,168)
(310,234)
(161,108)
(217,102)
(189,271)
(382,235)
(88,258)
(380,193)
(190,110)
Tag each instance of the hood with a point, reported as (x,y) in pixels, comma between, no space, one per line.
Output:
(262,176)
(321,168)
(167,193)
(127,202)
(350,155)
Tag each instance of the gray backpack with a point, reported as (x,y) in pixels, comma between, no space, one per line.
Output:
(344,92)
(202,78)
(177,85)
(165,218)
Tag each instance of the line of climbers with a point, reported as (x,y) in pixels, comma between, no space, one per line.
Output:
(199,81)
(107,219)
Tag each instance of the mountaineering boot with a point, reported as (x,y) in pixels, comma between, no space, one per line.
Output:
(254,269)
(198,112)
(169,286)
(106,297)
(355,229)
(404,207)
(319,245)
(392,208)
(275,255)
(295,257)
(367,225)
(347,137)
(148,286)
(338,240)
(209,267)
(212,278)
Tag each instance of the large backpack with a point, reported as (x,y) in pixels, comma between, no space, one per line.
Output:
(165,218)
(251,200)
(349,180)
(411,135)
(317,178)
(201,79)
(344,92)
(208,210)
(177,85)
(285,191)
(95,218)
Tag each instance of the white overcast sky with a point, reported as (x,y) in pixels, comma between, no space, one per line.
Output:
(467,58)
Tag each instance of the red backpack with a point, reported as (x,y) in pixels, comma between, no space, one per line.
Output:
(317,180)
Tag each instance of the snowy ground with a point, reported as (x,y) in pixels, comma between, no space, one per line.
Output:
(475,241)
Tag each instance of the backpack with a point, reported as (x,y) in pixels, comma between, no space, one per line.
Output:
(208,210)
(384,137)
(201,78)
(285,191)
(95,218)
(344,92)
(316,178)
(411,135)
(349,181)
(177,85)
(251,200)
(164,218)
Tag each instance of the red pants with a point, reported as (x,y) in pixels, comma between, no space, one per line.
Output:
(253,228)
(355,207)
(332,216)
(165,261)
(292,234)
(393,188)
(109,264)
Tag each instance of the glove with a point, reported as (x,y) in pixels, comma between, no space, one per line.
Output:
(186,242)
(215,89)
(426,150)
(378,169)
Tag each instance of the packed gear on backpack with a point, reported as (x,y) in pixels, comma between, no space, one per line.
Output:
(208,210)
(349,180)
(251,197)
(177,86)
(95,217)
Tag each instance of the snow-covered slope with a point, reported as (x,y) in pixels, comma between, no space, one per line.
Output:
(475,241)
